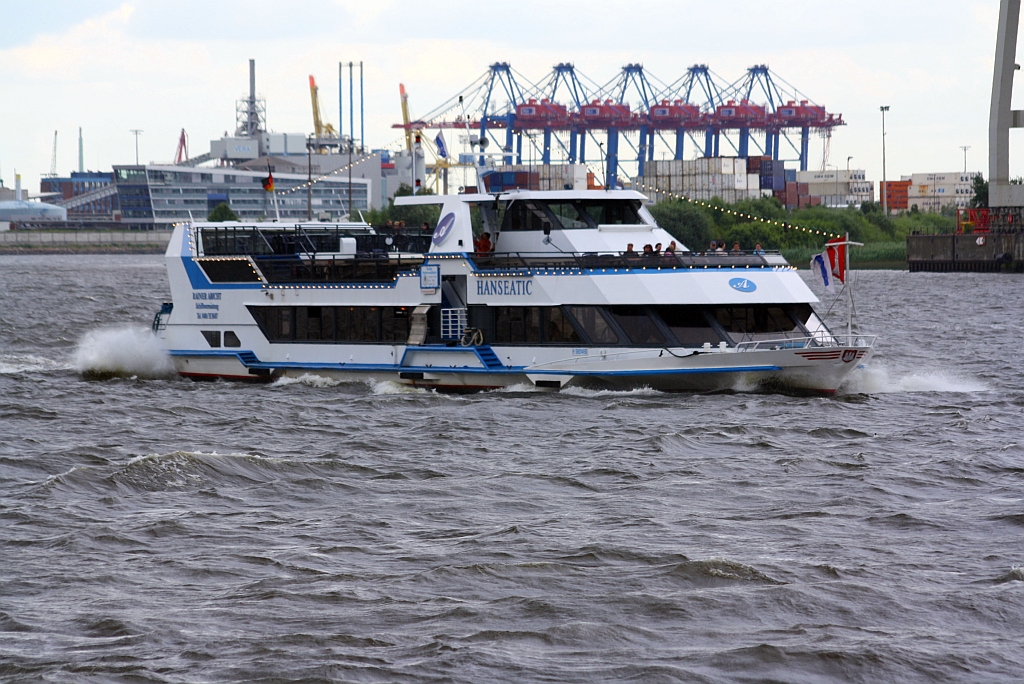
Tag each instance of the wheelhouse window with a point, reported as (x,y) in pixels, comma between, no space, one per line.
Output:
(231,339)
(525,215)
(613,212)
(570,215)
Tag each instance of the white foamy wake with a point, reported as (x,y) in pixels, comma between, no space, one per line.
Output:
(29,363)
(880,380)
(124,352)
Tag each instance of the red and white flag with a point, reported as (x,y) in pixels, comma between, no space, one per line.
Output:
(837,258)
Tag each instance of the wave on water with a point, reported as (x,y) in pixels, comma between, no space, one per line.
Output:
(29,363)
(387,387)
(307,379)
(122,352)
(598,393)
(880,380)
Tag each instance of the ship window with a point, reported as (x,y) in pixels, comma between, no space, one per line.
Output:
(357,323)
(522,215)
(617,212)
(569,215)
(394,324)
(689,325)
(516,324)
(212,337)
(747,323)
(558,329)
(341,324)
(594,324)
(637,325)
(231,339)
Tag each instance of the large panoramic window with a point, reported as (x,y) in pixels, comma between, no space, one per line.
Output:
(333,324)
(593,322)
(689,325)
(516,324)
(747,323)
(637,325)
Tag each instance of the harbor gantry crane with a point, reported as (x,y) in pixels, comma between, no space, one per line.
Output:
(749,117)
(324,134)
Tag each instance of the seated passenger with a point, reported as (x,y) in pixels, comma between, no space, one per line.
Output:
(758,250)
(629,251)
(671,249)
(648,251)
(736,248)
(657,249)
(720,247)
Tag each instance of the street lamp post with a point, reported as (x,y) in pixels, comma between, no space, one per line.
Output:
(136,132)
(965,148)
(848,185)
(885,188)
(309,178)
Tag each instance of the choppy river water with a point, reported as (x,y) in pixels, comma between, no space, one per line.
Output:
(156,529)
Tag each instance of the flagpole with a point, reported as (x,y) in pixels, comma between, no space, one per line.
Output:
(849,293)
(276,210)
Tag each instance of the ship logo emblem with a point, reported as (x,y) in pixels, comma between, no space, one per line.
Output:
(742,284)
(444,227)
(849,355)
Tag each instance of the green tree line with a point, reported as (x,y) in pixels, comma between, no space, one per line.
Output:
(695,225)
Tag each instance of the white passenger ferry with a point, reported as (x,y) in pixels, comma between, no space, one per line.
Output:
(561,300)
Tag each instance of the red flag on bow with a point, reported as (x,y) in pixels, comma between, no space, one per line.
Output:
(836,249)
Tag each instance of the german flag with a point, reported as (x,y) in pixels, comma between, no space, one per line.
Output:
(268,182)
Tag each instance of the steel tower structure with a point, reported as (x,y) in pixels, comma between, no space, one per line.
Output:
(752,115)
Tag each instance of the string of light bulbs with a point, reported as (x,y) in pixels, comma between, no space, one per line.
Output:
(709,205)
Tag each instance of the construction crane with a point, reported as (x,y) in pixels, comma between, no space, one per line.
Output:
(181,155)
(321,131)
(53,158)
(405,116)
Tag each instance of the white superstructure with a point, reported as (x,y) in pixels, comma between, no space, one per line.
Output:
(566,297)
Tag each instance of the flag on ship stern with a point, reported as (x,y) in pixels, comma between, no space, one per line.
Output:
(822,267)
(268,182)
(836,250)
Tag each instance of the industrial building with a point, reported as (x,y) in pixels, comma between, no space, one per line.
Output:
(80,184)
(155,197)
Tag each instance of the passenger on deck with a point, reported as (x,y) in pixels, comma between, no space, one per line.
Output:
(736,248)
(720,247)
(713,247)
(657,249)
(389,226)
(758,250)
(426,227)
(648,251)
(483,244)
(629,251)
(671,249)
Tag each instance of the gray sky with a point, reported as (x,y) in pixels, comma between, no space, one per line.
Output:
(110,66)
